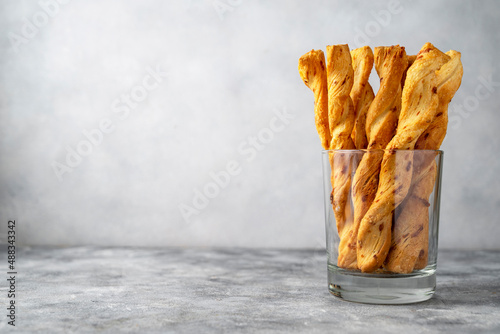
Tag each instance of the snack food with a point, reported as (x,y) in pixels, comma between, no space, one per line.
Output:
(409,240)
(381,121)
(389,196)
(340,77)
(312,69)
(361,94)
(419,106)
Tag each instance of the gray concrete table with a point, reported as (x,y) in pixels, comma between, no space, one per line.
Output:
(113,290)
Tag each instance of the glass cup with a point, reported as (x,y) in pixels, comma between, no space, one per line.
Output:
(382,218)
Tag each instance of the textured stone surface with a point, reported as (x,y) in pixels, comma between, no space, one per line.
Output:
(113,290)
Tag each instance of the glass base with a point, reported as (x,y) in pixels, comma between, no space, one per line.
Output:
(382,288)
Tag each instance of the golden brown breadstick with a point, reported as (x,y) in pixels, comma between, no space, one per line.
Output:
(409,247)
(312,69)
(341,119)
(411,60)
(340,77)
(381,121)
(361,93)
(449,80)
(411,225)
(419,106)
(382,117)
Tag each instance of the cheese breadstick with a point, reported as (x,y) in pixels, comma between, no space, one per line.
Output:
(419,108)
(381,121)
(409,247)
(312,70)
(361,94)
(340,77)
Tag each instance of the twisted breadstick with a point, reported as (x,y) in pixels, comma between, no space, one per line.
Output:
(382,117)
(340,76)
(341,119)
(419,106)
(411,60)
(449,78)
(411,223)
(361,93)
(381,120)
(312,70)
(409,247)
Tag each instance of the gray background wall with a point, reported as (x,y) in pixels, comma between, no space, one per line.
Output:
(223,71)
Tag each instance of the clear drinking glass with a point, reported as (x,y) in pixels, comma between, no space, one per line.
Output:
(382,218)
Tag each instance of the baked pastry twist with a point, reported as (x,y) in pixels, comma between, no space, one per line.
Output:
(312,70)
(381,121)
(419,106)
(409,247)
(361,94)
(449,78)
(411,221)
(411,60)
(340,77)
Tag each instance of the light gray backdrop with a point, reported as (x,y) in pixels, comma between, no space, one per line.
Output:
(185,123)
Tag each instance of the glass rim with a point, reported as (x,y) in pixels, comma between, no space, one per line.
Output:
(378,150)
